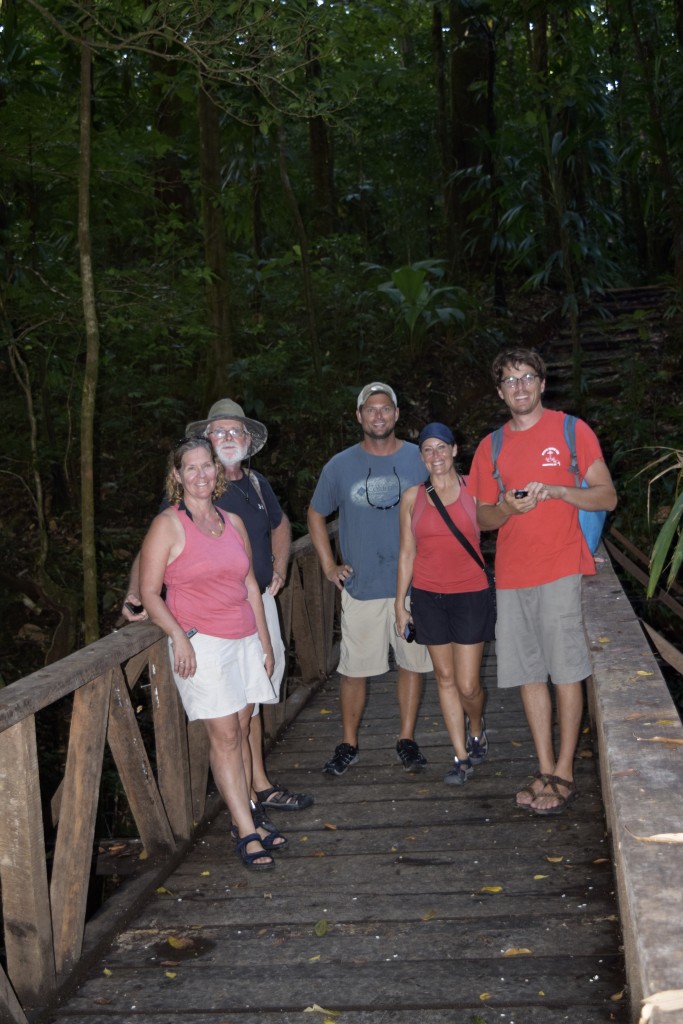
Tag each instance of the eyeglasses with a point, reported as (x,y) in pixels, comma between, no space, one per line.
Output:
(382,508)
(514,382)
(235,432)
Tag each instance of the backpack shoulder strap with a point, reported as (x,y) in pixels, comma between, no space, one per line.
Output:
(496,445)
(254,481)
(570,438)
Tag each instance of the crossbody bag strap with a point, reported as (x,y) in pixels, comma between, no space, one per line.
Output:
(438,505)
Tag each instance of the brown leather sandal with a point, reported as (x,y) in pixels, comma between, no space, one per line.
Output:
(564,801)
(538,777)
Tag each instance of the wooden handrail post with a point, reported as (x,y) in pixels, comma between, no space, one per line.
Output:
(23,872)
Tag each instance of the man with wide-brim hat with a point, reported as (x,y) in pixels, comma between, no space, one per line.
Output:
(235,438)
(225,408)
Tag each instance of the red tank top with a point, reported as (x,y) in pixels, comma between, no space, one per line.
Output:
(442,565)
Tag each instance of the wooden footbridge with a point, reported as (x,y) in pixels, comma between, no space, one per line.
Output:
(398,899)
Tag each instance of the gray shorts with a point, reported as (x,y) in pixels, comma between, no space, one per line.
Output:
(539,634)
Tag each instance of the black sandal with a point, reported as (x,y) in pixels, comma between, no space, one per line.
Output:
(284,800)
(249,859)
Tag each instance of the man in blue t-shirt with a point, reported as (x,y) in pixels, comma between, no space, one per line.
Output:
(364,484)
(235,438)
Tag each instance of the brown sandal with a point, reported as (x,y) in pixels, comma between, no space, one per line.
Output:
(564,801)
(538,777)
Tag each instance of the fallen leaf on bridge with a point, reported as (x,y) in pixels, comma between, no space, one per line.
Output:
(484,996)
(554,860)
(537,878)
(205,874)
(328,825)
(428,916)
(180,942)
(171,974)
(321,928)
(642,672)
(617,997)
(319,1009)
(603,639)
(670,999)
(659,739)
(517,951)
(324,711)
(107,973)
(164,891)
(491,888)
(661,837)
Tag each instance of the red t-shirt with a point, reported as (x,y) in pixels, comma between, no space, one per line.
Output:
(546,543)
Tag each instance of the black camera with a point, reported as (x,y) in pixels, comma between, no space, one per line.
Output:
(521,494)
(409,632)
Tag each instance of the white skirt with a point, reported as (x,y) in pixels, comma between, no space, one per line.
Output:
(230,675)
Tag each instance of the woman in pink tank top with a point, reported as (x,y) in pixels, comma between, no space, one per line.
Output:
(451,605)
(219,645)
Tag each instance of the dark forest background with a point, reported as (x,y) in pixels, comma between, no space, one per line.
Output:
(281,200)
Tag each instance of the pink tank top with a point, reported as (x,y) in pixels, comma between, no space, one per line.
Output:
(205,586)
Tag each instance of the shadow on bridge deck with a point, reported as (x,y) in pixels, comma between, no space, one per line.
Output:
(399,899)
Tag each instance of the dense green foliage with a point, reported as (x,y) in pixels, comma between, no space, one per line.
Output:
(292,197)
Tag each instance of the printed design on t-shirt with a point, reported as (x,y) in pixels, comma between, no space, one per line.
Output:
(382,491)
(551,457)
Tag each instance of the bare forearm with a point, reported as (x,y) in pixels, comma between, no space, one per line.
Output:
(281,542)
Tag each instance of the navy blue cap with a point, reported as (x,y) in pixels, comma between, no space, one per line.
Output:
(439,430)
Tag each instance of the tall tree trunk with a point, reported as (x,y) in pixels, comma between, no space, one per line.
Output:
(443,136)
(468,64)
(323,218)
(648,50)
(220,354)
(303,249)
(92,334)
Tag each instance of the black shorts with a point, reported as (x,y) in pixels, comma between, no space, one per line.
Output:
(468,618)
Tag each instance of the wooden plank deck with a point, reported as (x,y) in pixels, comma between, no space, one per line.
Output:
(378,911)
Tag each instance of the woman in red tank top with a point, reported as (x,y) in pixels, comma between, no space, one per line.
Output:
(451,605)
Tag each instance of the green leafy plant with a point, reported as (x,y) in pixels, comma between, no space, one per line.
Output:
(421,303)
(670,536)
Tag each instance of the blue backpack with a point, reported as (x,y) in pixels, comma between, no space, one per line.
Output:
(591,523)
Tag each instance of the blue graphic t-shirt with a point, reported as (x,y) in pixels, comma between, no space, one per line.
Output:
(366,489)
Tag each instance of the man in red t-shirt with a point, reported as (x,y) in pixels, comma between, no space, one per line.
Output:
(541,556)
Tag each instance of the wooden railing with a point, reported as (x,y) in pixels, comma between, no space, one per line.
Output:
(48,842)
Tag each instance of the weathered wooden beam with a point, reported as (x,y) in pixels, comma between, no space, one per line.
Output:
(198,741)
(302,632)
(23,873)
(639,734)
(667,650)
(78,812)
(642,577)
(10,1007)
(170,731)
(29,695)
(135,771)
